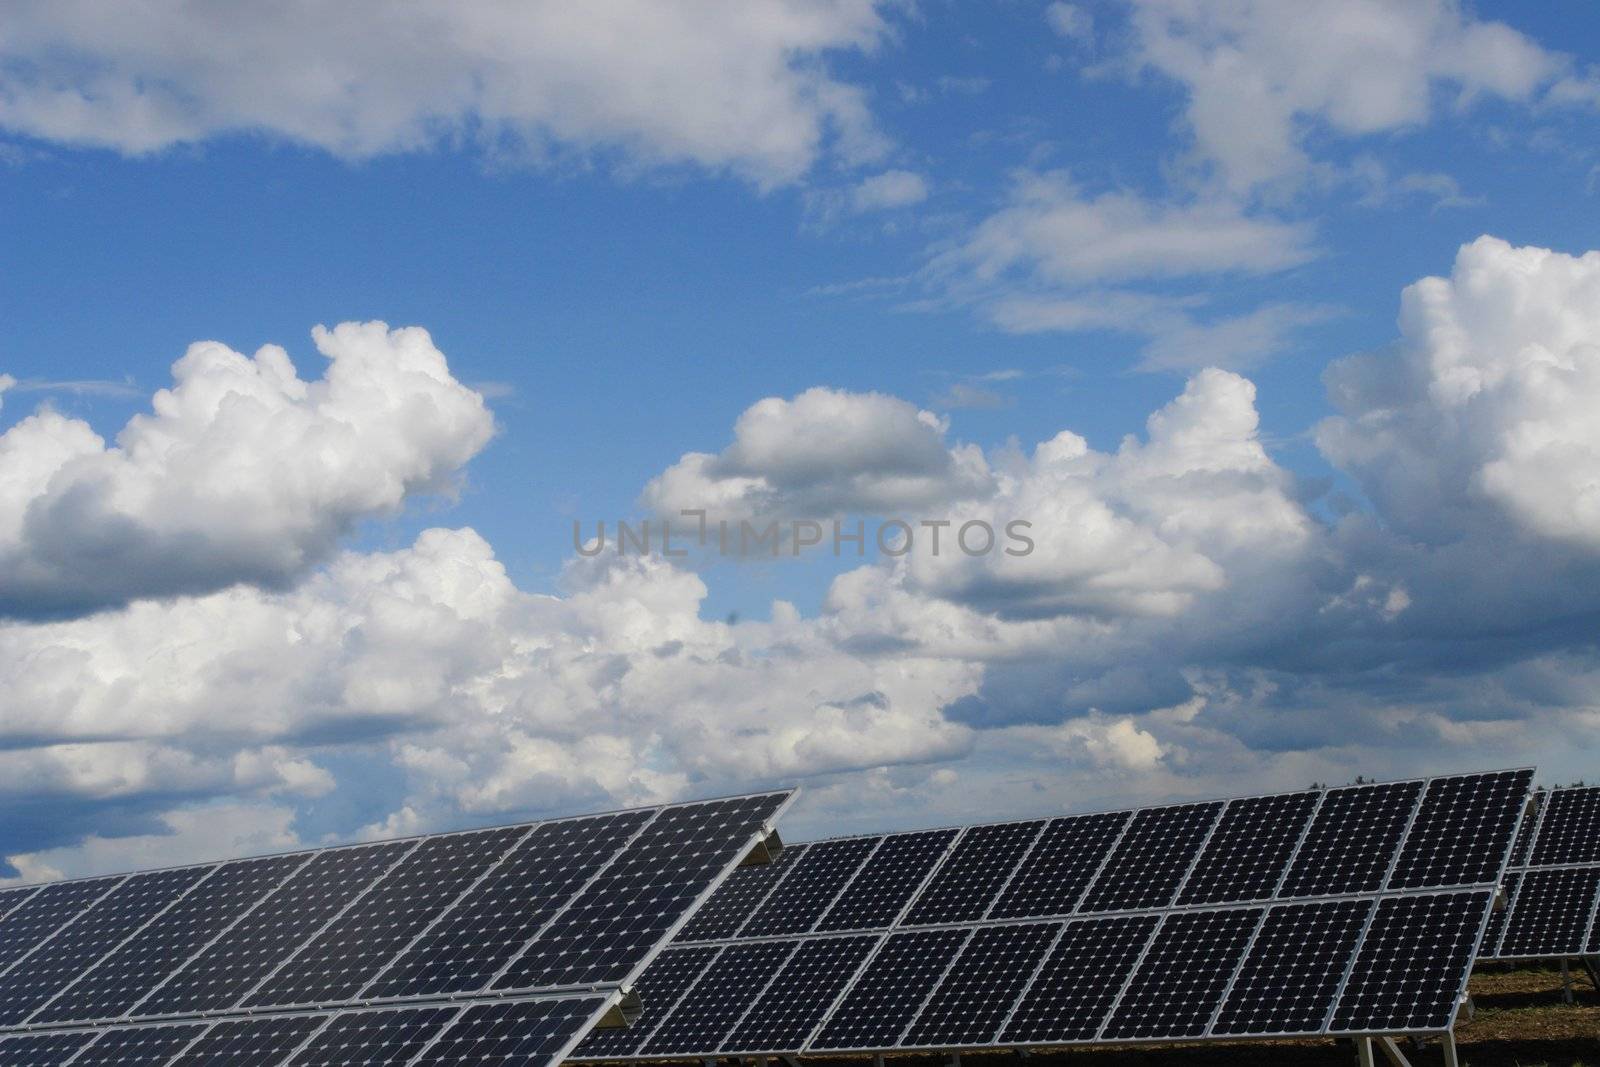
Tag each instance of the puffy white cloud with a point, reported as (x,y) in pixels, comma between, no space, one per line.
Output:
(1260,75)
(738,85)
(891,189)
(242,471)
(1484,411)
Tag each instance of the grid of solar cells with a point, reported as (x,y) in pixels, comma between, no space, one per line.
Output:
(706,1013)
(1524,843)
(884,1001)
(972,872)
(44,912)
(1291,972)
(474,940)
(1185,971)
(973,999)
(1462,830)
(117,982)
(41,1050)
(636,900)
(799,900)
(1497,918)
(1353,839)
(1058,869)
(348,954)
(11,899)
(138,1046)
(1075,988)
(1551,913)
(880,890)
(1152,857)
(253,947)
(520,1032)
(659,989)
(373,1038)
(1413,963)
(1570,829)
(737,899)
(264,1042)
(96,930)
(801,993)
(1248,851)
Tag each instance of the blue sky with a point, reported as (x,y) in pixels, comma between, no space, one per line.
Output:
(1021,220)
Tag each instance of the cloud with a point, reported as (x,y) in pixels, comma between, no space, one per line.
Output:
(1260,78)
(241,472)
(891,189)
(1070,21)
(739,86)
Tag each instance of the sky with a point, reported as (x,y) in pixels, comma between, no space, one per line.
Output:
(330,334)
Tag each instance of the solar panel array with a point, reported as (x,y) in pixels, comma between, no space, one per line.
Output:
(1553,889)
(1344,911)
(449,948)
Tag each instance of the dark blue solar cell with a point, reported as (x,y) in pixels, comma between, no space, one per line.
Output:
(343,958)
(894,985)
(1463,830)
(374,1038)
(1353,839)
(138,1046)
(1063,861)
(264,1042)
(41,1050)
(1183,975)
(880,890)
(1551,913)
(964,886)
(117,982)
(1291,974)
(471,942)
(661,986)
(799,995)
(46,911)
(518,1032)
(738,898)
(1152,857)
(93,933)
(1248,851)
(708,1010)
(1570,829)
(1413,963)
(616,921)
(1079,980)
(978,991)
(810,888)
(1489,948)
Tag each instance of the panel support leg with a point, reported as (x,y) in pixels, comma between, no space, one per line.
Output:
(877,1059)
(1364,1052)
(1391,1052)
(1566,982)
(1592,965)
(953,1060)
(1448,1044)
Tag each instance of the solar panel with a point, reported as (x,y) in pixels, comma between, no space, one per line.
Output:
(659,989)
(138,1046)
(529,1031)
(964,885)
(1553,897)
(1570,829)
(1249,850)
(738,898)
(374,1038)
(262,1042)
(12,899)
(1553,912)
(1054,875)
(809,888)
(41,1050)
(881,890)
(1152,858)
(1235,921)
(94,932)
(1353,839)
(44,912)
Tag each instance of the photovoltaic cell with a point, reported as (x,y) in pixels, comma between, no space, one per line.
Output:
(46,911)
(465,950)
(736,899)
(1248,851)
(800,899)
(1413,963)
(712,1006)
(41,1050)
(972,1001)
(11,899)
(264,1042)
(972,872)
(1177,987)
(802,992)
(659,989)
(615,922)
(516,1032)
(1059,868)
(880,1005)
(373,1038)
(1462,830)
(138,1046)
(1570,832)
(261,940)
(1352,840)
(96,930)
(1078,982)
(343,958)
(880,890)
(1551,912)
(1151,859)
(117,982)
(1291,973)
(1525,832)
(1489,948)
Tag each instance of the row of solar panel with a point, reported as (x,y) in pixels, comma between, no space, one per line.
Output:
(564,903)
(1392,963)
(1439,833)
(528,1031)
(1553,890)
